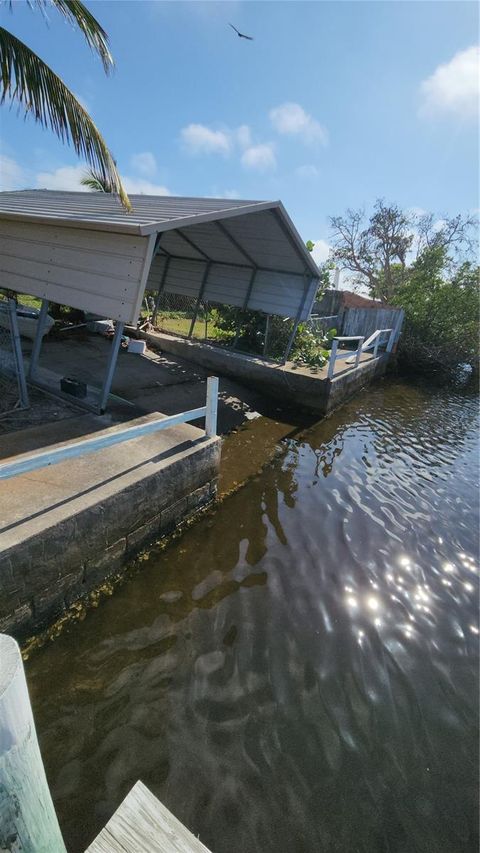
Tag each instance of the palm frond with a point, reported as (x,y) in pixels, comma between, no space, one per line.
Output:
(27,80)
(96,182)
(78,15)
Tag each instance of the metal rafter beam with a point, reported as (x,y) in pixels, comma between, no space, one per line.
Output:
(221,226)
(193,246)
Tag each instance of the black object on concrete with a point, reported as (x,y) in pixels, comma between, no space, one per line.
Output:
(73,387)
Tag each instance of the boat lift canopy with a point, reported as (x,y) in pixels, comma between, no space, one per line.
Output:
(84,250)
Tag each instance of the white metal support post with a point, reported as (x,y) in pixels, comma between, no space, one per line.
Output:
(359,351)
(27,816)
(331,360)
(26,462)
(112,361)
(17,350)
(37,344)
(212,407)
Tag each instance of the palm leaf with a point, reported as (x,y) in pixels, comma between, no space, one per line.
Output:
(78,15)
(96,182)
(27,80)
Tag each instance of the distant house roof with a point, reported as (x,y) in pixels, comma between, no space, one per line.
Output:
(349,299)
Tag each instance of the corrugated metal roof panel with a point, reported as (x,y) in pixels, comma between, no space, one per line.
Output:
(103,208)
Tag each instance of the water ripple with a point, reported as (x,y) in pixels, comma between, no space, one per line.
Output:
(298,676)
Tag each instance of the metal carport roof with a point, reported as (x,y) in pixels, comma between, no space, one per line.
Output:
(255,256)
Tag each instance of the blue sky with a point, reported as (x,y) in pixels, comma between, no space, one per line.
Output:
(332,105)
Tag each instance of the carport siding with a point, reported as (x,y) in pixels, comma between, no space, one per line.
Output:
(101,272)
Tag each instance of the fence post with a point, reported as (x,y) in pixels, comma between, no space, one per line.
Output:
(331,360)
(199,297)
(160,290)
(391,340)
(28,820)
(359,351)
(267,331)
(212,407)
(397,327)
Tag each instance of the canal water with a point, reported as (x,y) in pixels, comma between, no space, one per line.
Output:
(298,672)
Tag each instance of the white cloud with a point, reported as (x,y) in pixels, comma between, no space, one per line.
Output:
(138,186)
(69,177)
(453,88)
(217,193)
(321,251)
(145,164)
(200,139)
(259,157)
(64,178)
(12,176)
(416,211)
(291,119)
(244,136)
(307,171)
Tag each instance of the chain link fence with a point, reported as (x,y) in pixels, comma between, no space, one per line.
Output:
(13,389)
(250,332)
(184,316)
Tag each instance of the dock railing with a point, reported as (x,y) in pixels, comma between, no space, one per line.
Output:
(337,355)
(26,462)
(353,356)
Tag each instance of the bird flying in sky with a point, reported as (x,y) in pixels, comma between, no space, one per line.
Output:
(241,35)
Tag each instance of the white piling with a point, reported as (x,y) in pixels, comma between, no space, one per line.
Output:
(27,816)
(211,407)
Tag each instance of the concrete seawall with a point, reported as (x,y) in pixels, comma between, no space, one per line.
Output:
(67,528)
(286,382)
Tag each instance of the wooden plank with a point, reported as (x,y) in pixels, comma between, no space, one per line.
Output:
(142,824)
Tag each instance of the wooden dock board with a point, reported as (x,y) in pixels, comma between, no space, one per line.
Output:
(142,824)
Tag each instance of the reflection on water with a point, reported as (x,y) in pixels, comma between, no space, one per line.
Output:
(297,673)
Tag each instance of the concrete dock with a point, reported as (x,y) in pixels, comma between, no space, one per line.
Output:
(290,383)
(66,528)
